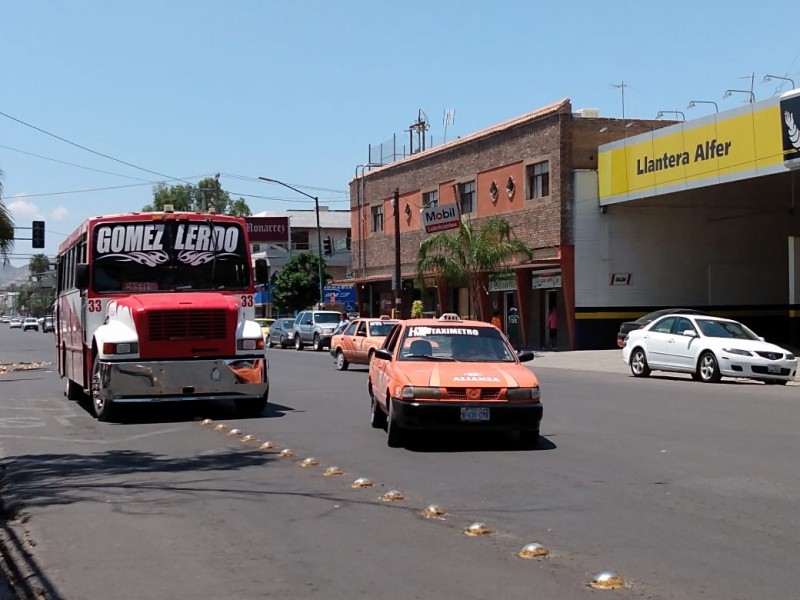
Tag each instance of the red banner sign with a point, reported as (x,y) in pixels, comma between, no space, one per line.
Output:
(268,229)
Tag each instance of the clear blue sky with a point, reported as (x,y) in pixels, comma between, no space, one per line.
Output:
(297,90)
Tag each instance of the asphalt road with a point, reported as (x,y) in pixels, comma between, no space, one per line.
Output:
(687,490)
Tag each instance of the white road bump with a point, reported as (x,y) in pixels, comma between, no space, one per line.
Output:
(235,432)
(221,427)
(478,529)
(267,446)
(286,452)
(533,550)
(434,511)
(330,471)
(206,422)
(362,482)
(607,580)
(393,495)
(309,462)
(250,438)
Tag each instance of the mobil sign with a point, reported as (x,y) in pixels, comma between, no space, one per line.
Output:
(440,218)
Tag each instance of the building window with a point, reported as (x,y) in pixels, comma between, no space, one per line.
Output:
(300,240)
(538,179)
(430,199)
(466,196)
(377,218)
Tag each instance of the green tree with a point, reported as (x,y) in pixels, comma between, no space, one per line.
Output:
(471,256)
(208,193)
(6,227)
(296,285)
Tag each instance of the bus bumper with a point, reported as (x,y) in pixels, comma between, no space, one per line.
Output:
(160,381)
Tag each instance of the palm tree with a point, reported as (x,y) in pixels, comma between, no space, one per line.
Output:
(38,264)
(471,256)
(6,227)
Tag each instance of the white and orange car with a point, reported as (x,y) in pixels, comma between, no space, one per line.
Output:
(449,373)
(358,342)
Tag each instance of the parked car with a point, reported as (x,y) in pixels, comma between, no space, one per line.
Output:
(281,332)
(30,324)
(15,323)
(642,321)
(48,325)
(359,340)
(449,373)
(5,319)
(707,348)
(265,325)
(315,327)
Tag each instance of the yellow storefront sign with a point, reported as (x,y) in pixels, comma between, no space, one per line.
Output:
(737,144)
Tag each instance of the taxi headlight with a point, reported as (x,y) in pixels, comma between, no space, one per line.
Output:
(414,391)
(250,343)
(524,393)
(121,348)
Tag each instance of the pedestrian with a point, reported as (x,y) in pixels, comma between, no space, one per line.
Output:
(496,319)
(552,325)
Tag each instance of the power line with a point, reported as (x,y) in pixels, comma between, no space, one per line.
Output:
(297,185)
(71,164)
(71,143)
(101,189)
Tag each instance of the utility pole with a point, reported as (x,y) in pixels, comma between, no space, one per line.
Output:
(397,283)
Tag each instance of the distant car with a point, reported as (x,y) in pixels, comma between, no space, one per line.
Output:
(358,342)
(265,325)
(15,323)
(5,319)
(707,348)
(48,325)
(30,324)
(642,321)
(449,373)
(281,332)
(315,327)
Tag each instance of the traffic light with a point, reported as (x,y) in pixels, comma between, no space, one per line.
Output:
(37,237)
(327,245)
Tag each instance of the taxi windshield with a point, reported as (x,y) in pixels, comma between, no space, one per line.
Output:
(379,328)
(463,344)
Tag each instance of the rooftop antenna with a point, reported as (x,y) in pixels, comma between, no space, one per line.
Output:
(420,126)
(621,87)
(449,116)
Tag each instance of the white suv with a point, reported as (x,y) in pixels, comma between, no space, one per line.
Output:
(315,327)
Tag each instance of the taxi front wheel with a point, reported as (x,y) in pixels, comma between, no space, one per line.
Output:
(395,434)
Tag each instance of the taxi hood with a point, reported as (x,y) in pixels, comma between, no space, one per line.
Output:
(467,374)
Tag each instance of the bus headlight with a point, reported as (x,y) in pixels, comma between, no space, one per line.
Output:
(250,343)
(120,348)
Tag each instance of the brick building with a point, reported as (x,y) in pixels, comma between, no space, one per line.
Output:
(522,169)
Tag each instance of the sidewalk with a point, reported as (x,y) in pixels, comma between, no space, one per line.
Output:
(604,361)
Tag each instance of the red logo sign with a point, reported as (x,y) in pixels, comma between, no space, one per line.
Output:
(268,229)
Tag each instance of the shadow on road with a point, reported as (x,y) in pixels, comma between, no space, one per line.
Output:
(471,442)
(178,412)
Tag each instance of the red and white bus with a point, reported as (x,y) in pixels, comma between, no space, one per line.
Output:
(158,306)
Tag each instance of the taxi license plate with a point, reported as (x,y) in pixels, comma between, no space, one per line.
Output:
(773,369)
(474,414)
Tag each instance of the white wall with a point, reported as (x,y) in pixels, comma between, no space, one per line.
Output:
(678,252)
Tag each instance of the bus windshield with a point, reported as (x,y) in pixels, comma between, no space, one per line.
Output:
(162,256)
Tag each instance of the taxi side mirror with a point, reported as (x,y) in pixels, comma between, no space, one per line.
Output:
(525,355)
(362,334)
(382,354)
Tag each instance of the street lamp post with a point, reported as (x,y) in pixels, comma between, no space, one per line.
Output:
(319,232)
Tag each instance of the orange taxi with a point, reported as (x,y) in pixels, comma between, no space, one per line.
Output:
(449,373)
(358,342)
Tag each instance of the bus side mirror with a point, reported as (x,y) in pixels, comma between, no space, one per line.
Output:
(262,272)
(82,276)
